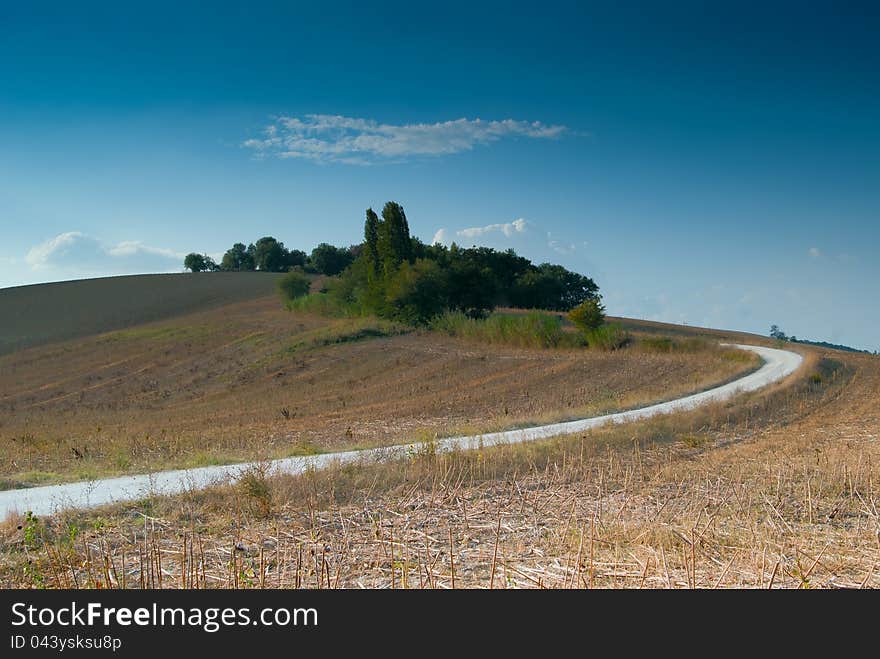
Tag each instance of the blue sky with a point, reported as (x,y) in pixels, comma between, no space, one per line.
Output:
(710,166)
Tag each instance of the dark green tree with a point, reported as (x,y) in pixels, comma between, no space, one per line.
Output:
(394,243)
(199,262)
(552,287)
(371,241)
(270,255)
(296,258)
(417,292)
(237,258)
(470,288)
(330,260)
(777,333)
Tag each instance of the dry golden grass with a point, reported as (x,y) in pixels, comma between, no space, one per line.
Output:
(253,381)
(777,489)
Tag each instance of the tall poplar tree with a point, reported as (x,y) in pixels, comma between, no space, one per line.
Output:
(371,241)
(395,244)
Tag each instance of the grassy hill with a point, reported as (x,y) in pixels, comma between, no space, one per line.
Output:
(248,379)
(45,313)
(774,489)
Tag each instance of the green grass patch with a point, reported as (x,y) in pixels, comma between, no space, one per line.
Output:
(610,336)
(322,304)
(348,331)
(531,330)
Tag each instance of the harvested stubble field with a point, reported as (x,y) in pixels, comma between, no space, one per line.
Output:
(776,489)
(250,380)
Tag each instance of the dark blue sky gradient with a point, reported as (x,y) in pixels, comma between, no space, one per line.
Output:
(721,164)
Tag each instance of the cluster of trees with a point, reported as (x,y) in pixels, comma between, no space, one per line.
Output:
(270,255)
(779,335)
(398,276)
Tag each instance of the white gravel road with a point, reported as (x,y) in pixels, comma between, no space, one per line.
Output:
(778,364)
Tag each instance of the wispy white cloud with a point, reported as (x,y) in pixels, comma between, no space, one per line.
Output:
(42,255)
(840,257)
(441,236)
(356,141)
(487,233)
(78,254)
(506,228)
(135,247)
(561,247)
(519,233)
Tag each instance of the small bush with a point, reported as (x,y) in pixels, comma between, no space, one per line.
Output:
(293,285)
(588,315)
(589,318)
(695,440)
(254,487)
(33,531)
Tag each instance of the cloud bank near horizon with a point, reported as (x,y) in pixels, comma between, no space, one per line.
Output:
(75,253)
(326,138)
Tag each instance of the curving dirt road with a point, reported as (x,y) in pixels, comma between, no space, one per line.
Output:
(778,364)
